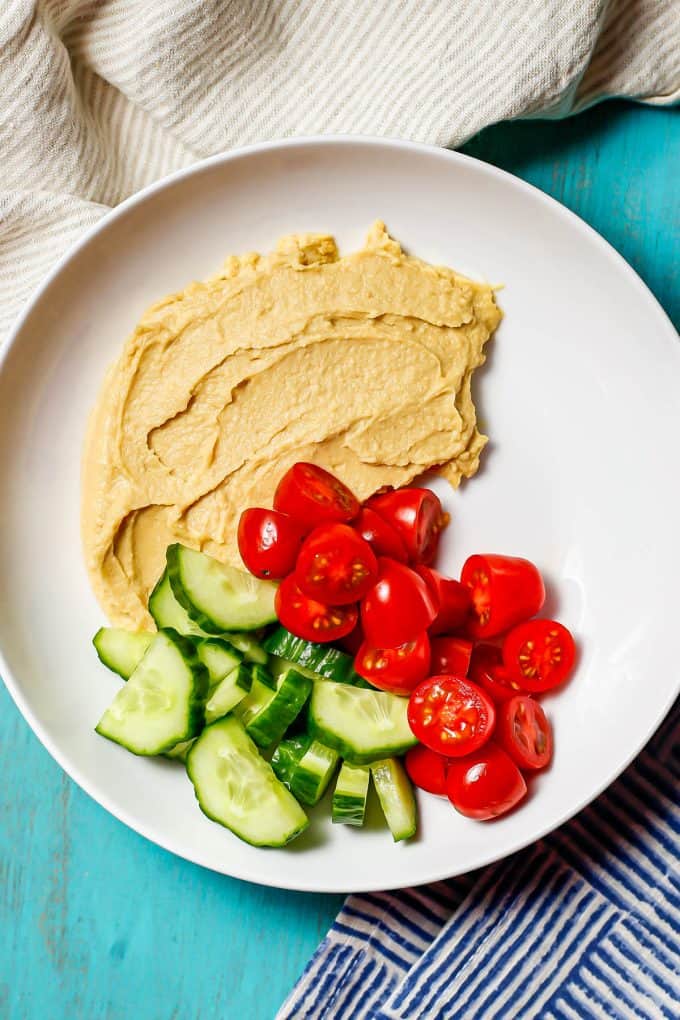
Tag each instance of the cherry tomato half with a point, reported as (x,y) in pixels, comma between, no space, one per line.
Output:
(427,769)
(381,536)
(539,654)
(505,590)
(335,565)
(451,655)
(398,606)
(313,496)
(454,601)
(269,542)
(418,517)
(309,619)
(450,715)
(486,784)
(353,641)
(524,732)
(397,670)
(487,670)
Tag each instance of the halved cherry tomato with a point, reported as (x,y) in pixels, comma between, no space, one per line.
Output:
(418,517)
(427,769)
(485,784)
(309,619)
(313,495)
(454,600)
(539,654)
(269,542)
(381,536)
(335,565)
(487,670)
(353,641)
(524,732)
(505,590)
(397,670)
(398,606)
(451,655)
(450,715)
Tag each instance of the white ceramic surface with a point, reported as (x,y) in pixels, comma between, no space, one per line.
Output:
(579,396)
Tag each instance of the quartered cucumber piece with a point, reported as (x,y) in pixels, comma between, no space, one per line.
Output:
(263,676)
(350,794)
(121,650)
(267,714)
(228,693)
(179,751)
(395,794)
(218,657)
(250,646)
(216,596)
(362,725)
(236,787)
(162,702)
(314,772)
(287,755)
(318,659)
(167,612)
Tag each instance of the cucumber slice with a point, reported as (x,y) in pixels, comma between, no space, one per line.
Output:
(246,643)
(216,596)
(162,702)
(314,772)
(236,787)
(287,755)
(179,751)
(362,725)
(229,693)
(395,794)
(320,660)
(167,612)
(263,676)
(351,794)
(267,714)
(218,657)
(121,650)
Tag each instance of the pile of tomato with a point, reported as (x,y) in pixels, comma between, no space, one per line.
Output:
(468,653)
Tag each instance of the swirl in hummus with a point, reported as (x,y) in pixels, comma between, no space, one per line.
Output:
(361,363)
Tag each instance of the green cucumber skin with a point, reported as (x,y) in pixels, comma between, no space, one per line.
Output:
(351,795)
(272,721)
(123,664)
(180,751)
(166,611)
(348,810)
(286,757)
(317,658)
(212,650)
(307,783)
(238,684)
(248,645)
(263,675)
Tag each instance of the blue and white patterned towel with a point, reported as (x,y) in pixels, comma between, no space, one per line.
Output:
(584,924)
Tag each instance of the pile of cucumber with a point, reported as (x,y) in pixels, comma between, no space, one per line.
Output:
(262,719)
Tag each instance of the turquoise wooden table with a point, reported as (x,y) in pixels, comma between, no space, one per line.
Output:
(98,924)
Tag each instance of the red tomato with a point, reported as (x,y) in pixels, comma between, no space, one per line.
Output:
(487,670)
(427,769)
(485,784)
(309,619)
(353,641)
(505,590)
(539,654)
(398,606)
(313,496)
(397,670)
(335,565)
(524,732)
(380,535)
(418,517)
(451,655)
(454,600)
(269,542)
(450,715)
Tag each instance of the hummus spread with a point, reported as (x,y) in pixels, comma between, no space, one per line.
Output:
(361,364)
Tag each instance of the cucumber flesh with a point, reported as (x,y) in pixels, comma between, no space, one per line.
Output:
(167,612)
(228,693)
(121,650)
(350,794)
(395,794)
(249,646)
(218,657)
(216,596)
(162,702)
(267,714)
(313,773)
(179,751)
(236,787)
(362,726)
(287,755)
(263,676)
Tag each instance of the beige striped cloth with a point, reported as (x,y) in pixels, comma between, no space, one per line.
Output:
(100,97)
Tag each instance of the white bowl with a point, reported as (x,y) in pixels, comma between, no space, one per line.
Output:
(579,397)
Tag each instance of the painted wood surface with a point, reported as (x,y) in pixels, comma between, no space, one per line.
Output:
(98,924)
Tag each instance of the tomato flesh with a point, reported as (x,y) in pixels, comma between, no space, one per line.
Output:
(335,565)
(381,536)
(450,715)
(539,654)
(417,515)
(485,784)
(451,655)
(505,590)
(313,496)
(309,619)
(487,670)
(398,606)
(524,732)
(454,601)
(427,769)
(269,542)
(397,670)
